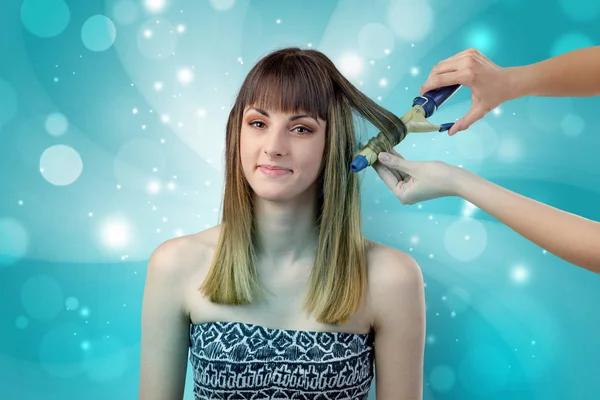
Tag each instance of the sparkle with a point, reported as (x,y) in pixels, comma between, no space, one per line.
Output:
(420,206)
(414,239)
(467,237)
(115,233)
(118,186)
(277,21)
(240,60)
(162,140)
(431,256)
(148,33)
(519,274)
(153,187)
(430,217)
(20,202)
(158,86)
(171,186)
(497,111)
(414,71)
(185,75)
(165,118)
(135,110)
(207,183)
(90,214)
(201,112)
(383,82)
(165,219)
(144,127)
(180,28)
(387,52)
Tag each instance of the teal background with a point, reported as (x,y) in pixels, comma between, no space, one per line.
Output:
(112,119)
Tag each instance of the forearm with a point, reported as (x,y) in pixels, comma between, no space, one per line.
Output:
(572,74)
(568,236)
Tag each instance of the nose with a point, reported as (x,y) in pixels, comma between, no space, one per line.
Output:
(276,143)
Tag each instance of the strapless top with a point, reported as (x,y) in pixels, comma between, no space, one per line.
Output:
(235,360)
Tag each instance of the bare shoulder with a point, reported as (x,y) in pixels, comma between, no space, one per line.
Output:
(391,267)
(175,257)
(394,280)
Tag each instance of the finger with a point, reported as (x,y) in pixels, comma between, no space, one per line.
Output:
(395,162)
(438,81)
(399,176)
(474,115)
(387,176)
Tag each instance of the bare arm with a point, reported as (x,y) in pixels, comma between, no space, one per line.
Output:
(165,328)
(573,74)
(399,321)
(576,73)
(573,238)
(568,236)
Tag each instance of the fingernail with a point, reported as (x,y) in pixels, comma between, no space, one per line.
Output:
(384,156)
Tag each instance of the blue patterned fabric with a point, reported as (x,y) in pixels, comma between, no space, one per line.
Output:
(235,360)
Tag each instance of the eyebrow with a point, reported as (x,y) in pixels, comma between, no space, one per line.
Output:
(292,118)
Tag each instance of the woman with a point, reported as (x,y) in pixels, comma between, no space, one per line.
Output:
(286,298)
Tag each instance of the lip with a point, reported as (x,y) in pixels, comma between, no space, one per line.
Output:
(273,171)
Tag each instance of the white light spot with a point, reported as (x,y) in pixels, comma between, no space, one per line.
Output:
(201,112)
(180,28)
(153,187)
(519,274)
(155,6)
(116,233)
(165,118)
(383,82)
(171,186)
(185,75)
(414,71)
(351,65)
(277,21)
(158,86)
(414,239)
(147,33)
(135,111)
(497,111)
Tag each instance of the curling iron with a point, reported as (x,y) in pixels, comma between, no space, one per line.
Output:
(414,120)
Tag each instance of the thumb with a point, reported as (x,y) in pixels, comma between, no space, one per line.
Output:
(474,115)
(393,161)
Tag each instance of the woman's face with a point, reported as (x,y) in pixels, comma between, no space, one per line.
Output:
(281,153)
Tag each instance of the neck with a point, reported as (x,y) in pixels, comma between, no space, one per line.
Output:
(287,231)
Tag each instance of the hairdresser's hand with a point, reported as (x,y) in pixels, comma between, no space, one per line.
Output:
(490,84)
(415,181)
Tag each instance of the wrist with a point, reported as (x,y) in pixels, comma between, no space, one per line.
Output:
(517,82)
(462,182)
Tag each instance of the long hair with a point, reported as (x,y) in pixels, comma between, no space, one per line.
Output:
(291,80)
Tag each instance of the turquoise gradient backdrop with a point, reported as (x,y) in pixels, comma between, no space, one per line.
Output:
(112,117)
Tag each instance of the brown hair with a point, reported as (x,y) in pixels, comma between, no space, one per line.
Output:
(291,80)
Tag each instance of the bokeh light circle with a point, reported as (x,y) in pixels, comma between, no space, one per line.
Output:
(465,239)
(98,33)
(457,299)
(61,165)
(510,149)
(375,41)
(416,19)
(72,304)
(14,241)
(8,102)
(21,322)
(45,18)
(442,378)
(60,351)
(572,125)
(56,124)
(42,297)
(125,12)
(106,359)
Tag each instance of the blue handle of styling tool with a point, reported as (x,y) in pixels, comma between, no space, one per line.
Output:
(434,99)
